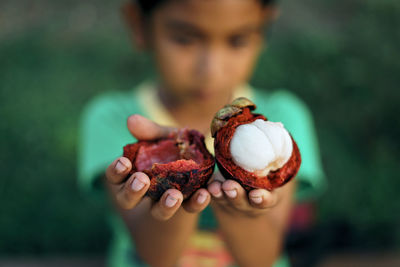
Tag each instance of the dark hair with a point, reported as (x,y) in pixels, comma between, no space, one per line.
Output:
(147,6)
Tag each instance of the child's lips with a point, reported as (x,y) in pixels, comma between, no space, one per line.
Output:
(203,94)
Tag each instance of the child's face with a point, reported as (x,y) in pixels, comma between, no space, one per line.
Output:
(205,48)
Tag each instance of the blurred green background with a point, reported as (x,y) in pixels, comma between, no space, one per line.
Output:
(340,56)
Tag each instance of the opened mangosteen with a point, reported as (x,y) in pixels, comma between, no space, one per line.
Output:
(252,150)
(180,161)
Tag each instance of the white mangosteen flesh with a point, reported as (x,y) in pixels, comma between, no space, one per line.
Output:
(261,146)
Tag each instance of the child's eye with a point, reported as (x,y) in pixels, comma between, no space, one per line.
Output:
(238,41)
(182,40)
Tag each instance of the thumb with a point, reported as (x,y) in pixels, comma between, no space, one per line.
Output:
(144,129)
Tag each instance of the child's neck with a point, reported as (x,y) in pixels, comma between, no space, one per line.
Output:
(188,114)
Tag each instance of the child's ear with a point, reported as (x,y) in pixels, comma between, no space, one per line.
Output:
(271,14)
(136,23)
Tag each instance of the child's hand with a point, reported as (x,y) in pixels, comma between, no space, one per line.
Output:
(230,197)
(128,192)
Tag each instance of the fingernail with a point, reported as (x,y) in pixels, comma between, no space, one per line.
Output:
(201,198)
(137,185)
(170,201)
(256,200)
(119,167)
(231,193)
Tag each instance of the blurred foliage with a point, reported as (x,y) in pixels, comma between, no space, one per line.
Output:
(349,77)
(346,69)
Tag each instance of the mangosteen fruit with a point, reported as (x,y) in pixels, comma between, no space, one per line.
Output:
(180,161)
(252,150)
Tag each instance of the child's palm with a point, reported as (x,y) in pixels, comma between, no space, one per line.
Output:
(129,192)
(231,197)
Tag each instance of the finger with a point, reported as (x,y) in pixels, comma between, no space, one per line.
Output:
(263,199)
(197,202)
(145,129)
(117,171)
(168,204)
(215,189)
(235,194)
(133,190)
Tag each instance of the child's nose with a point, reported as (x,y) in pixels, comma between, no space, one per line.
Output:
(211,65)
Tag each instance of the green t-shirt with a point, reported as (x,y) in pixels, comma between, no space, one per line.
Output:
(104,133)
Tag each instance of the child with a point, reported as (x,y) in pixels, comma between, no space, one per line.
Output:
(204,52)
